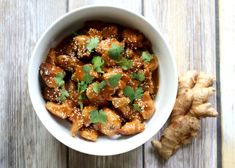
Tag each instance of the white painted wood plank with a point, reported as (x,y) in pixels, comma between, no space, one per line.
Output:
(130,159)
(227,75)
(189,27)
(24,140)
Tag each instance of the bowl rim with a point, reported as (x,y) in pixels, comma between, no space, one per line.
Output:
(34,102)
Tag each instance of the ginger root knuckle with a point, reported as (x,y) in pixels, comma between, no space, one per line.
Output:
(191,105)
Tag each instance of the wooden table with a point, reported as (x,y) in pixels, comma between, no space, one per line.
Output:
(201,34)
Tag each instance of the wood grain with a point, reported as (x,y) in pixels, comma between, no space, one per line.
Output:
(130,159)
(227,74)
(24,140)
(189,27)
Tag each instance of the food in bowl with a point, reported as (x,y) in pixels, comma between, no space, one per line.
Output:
(103,78)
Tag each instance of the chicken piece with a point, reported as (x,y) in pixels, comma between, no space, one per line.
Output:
(98,98)
(112,125)
(148,84)
(110,31)
(95,33)
(86,114)
(136,116)
(103,48)
(72,89)
(67,62)
(126,111)
(132,53)
(51,57)
(112,71)
(120,102)
(88,133)
(147,106)
(51,94)
(77,121)
(130,81)
(62,111)
(132,127)
(133,38)
(80,42)
(48,72)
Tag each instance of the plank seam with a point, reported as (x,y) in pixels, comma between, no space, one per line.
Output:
(218,85)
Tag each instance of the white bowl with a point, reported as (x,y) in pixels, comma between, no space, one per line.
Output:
(166,95)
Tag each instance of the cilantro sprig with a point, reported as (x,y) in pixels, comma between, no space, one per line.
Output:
(98,62)
(59,79)
(115,51)
(98,86)
(92,43)
(98,116)
(146,56)
(133,94)
(138,76)
(125,64)
(63,95)
(114,79)
(87,77)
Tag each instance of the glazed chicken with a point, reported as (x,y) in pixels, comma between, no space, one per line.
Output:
(103,79)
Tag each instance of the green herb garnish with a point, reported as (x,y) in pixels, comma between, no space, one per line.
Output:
(146,56)
(81,87)
(138,76)
(59,79)
(125,64)
(114,79)
(98,62)
(87,68)
(98,116)
(115,51)
(137,107)
(87,77)
(92,43)
(133,94)
(98,86)
(63,95)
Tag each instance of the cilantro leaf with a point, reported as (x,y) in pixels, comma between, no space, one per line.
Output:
(129,92)
(137,107)
(146,56)
(92,43)
(98,86)
(81,86)
(139,93)
(125,64)
(87,68)
(59,79)
(87,78)
(115,51)
(98,116)
(98,62)
(133,94)
(63,95)
(114,79)
(138,76)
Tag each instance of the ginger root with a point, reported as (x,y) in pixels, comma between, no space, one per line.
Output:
(191,105)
